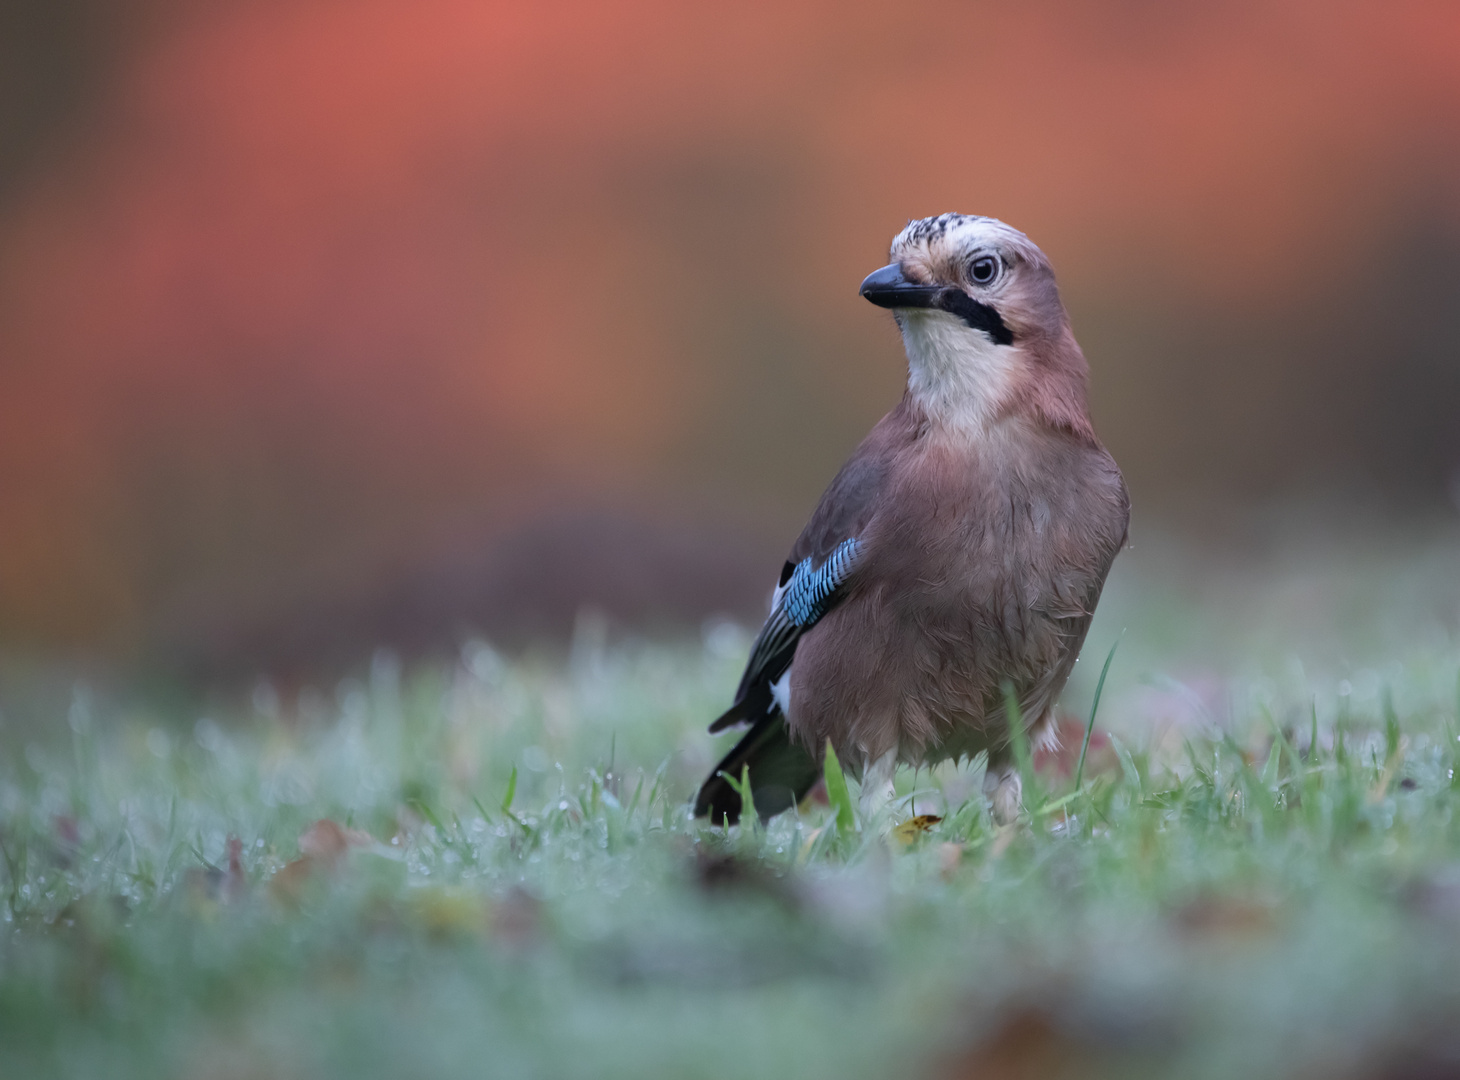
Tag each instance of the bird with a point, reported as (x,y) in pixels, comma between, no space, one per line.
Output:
(953,565)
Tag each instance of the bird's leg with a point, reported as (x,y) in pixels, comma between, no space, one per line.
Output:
(1003,790)
(877,791)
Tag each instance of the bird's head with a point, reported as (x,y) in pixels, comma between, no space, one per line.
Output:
(982,320)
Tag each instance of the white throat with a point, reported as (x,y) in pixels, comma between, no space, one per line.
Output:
(959,377)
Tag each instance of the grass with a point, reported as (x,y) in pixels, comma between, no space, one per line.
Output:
(512,887)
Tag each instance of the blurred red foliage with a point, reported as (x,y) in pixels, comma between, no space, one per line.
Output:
(319,286)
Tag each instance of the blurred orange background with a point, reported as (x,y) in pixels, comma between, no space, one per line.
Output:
(328,322)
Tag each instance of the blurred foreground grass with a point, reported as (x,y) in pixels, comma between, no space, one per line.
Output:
(487,869)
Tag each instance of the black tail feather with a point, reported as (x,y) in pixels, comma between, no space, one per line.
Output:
(735,714)
(755,701)
(781,773)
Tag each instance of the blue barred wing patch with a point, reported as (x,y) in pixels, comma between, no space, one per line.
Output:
(808,594)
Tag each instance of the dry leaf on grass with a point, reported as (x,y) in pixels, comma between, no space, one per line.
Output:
(914,827)
(1034,1041)
(321,847)
(327,841)
(1225,916)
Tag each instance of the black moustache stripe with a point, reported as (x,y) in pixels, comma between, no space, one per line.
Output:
(979,316)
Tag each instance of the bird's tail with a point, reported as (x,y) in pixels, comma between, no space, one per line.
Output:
(781,773)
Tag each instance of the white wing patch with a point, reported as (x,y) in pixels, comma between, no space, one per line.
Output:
(776,596)
(781,692)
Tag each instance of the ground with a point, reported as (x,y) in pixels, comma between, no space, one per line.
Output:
(486,867)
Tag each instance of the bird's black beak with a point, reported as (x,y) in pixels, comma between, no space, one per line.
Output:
(888,288)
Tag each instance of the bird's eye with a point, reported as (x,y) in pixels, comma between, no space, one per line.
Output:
(984,269)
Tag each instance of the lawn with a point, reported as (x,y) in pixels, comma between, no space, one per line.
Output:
(485,867)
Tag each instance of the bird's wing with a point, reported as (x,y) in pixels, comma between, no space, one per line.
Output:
(823,566)
(804,595)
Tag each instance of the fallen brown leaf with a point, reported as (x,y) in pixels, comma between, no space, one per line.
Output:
(288,883)
(1032,1041)
(321,847)
(1225,916)
(914,827)
(327,841)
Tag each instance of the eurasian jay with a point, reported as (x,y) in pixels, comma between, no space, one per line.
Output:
(957,556)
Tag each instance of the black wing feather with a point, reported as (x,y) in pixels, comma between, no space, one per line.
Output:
(781,773)
(808,594)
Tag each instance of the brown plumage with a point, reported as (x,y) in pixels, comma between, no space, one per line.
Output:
(983,515)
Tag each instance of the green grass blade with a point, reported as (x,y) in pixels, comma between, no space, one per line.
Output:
(1391,727)
(1054,804)
(742,788)
(1094,708)
(837,793)
(1282,737)
(655,788)
(1127,766)
(511,791)
(1019,742)
(1272,770)
(480,809)
(1313,735)
(421,807)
